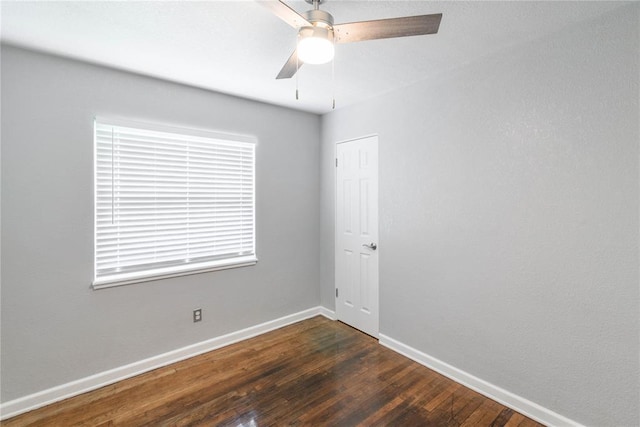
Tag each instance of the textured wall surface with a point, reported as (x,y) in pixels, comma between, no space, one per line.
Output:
(509,217)
(56,329)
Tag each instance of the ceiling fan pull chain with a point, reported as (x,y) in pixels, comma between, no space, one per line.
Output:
(297,69)
(333,82)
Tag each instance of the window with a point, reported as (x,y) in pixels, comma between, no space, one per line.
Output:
(170,202)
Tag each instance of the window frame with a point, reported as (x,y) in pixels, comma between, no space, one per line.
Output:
(152,274)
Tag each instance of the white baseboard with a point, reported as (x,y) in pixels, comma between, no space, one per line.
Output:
(83,385)
(329,314)
(513,401)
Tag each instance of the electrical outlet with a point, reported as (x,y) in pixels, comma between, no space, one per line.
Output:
(197,315)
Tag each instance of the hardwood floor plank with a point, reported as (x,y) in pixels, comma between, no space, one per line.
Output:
(515,420)
(503,418)
(442,396)
(371,396)
(469,405)
(484,415)
(456,408)
(528,422)
(316,372)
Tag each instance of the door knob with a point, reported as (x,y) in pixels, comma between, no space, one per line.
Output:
(371,246)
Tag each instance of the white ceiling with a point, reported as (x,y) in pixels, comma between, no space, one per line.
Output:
(238,47)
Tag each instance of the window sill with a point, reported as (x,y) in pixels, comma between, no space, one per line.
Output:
(159,274)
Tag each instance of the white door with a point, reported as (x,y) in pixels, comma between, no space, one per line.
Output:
(357,234)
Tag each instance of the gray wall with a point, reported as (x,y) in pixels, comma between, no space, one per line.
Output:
(509,217)
(54,327)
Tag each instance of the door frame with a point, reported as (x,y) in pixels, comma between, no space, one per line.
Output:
(335,219)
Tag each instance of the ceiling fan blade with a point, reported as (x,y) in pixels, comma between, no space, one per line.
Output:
(387,28)
(292,65)
(285,13)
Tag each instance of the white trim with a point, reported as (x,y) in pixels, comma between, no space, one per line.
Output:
(168,272)
(356,138)
(101,379)
(329,314)
(178,130)
(500,395)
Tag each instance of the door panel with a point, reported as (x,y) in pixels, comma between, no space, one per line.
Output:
(357,233)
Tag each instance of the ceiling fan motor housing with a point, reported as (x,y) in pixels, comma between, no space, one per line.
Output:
(319,17)
(315,32)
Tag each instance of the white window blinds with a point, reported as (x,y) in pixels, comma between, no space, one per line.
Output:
(170,202)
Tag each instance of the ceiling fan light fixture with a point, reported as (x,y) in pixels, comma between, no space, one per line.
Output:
(315,45)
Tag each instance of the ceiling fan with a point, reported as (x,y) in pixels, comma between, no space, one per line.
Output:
(317,33)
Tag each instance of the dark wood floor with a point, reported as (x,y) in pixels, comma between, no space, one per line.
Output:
(316,372)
